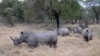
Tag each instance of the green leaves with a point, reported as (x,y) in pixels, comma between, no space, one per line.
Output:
(70,9)
(32,10)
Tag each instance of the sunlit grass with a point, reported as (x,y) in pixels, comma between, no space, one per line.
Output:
(72,45)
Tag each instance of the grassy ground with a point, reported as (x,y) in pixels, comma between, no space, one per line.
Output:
(72,45)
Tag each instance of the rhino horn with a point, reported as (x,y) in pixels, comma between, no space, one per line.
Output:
(11,38)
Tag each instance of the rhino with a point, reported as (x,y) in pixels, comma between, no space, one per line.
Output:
(63,31)
(77,29)
(87,34)
(34,38)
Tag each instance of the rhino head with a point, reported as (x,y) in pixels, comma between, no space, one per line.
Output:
(16,41)
(22,38)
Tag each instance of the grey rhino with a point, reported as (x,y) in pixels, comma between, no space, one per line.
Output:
(77,29)
(34,38)
(87,34)
(63,31)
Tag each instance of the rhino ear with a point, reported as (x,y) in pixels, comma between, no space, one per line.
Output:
(11,38)
(21,32)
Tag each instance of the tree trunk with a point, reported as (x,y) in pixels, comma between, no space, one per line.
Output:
(96,15)
(57,19)
(75,20)
(57,14)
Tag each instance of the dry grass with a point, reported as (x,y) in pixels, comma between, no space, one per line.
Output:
(72,45)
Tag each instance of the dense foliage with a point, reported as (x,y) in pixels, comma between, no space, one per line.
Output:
(39,11)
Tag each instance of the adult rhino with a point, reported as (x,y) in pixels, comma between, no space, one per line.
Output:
(77,29)
(87,34)
(63,31)
(34,38)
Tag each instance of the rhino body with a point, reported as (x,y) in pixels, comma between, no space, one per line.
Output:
(34,38)
(77,29)
(63,31)
(87,34)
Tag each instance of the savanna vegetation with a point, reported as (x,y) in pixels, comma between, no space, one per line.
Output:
(46,11)
(48,15)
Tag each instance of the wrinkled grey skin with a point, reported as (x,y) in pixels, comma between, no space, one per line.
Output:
(33,39)
(63,31)
(87,34)
(77,29)
(48,37)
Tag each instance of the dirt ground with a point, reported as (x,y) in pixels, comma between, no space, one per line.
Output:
(72,45)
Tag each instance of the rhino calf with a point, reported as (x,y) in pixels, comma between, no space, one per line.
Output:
(87,34)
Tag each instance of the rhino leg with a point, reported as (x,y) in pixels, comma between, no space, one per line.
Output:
(86,38)
(90,38)
(63,34)
(50,44)
(33,45)
(55,44)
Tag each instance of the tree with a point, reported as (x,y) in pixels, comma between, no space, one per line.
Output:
(16,6)
(8,13)
(70,9)
(94,5)
(41,10)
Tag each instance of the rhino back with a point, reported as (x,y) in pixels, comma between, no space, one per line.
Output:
(44,37)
